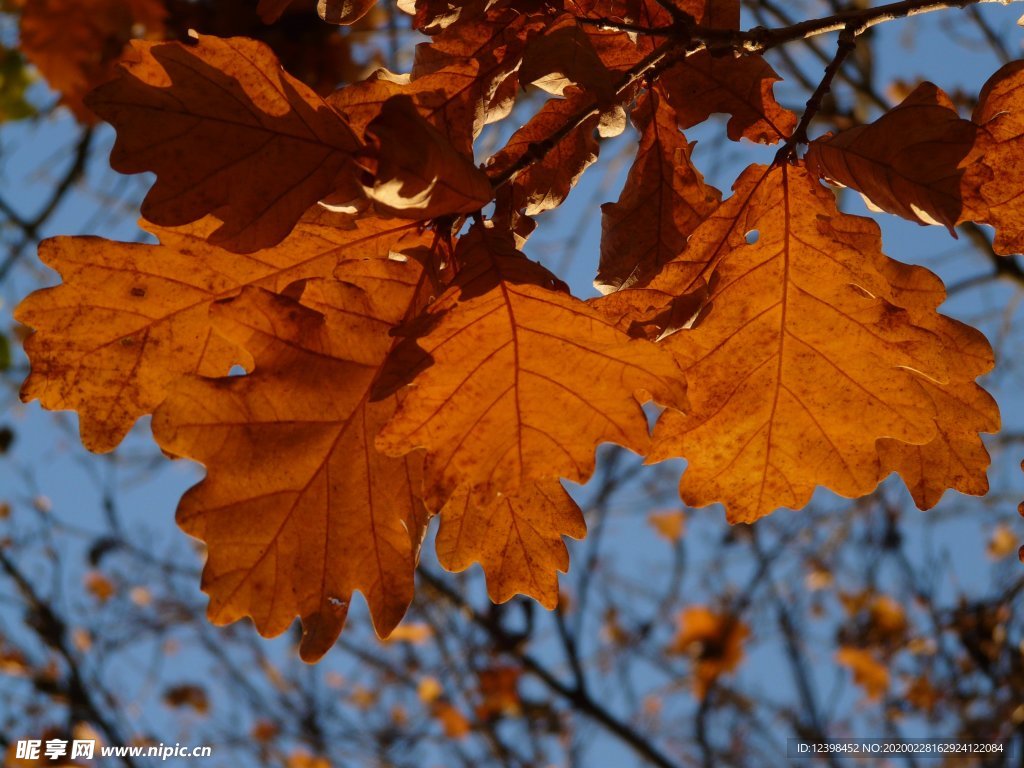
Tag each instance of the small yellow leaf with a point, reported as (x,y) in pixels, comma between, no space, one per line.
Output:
(1003,542)
(869,673)
(668,525)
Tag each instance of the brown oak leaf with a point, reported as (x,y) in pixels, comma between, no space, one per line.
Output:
(298,509)
(129,319)
(517,538)
(546,182)
(909,162)
(227,132)
(994,182)
(562,57)
(343,11)
(75,43)
(523,382)
(419,174)
(957,457)
(800,364)
(663,201)
(742,87)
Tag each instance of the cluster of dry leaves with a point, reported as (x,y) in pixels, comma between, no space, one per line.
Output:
(405,359)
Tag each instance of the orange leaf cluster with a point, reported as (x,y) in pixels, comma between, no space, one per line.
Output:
(404,358)
(713,640)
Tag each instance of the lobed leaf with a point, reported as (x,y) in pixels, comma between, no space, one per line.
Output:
(522,381)
(662,203)
(909,162)
(802,361)
(296,537)
(517,538)
(227,132)
(129,319)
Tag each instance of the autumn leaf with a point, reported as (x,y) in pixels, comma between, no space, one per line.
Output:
(517,538)
(74,43)
(672,300)
(343,11)
(419,174)
(994,181)
(869,673)
(129,319)
(956,458)
(909,162)
(800,365)
(546,183)
(621,50)
(463,79)
(524,382)
(669,525)
(562,57)
(227,132)
(662,202)
(296,537)
(713,640)
(742,87)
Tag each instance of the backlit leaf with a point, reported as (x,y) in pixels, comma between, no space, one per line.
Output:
(524,381)
(227,132)
(663,201)
(799,365)
(517,538)
(297,537)
(742,87)
(419,174)
(909,162)
(129,319)
(74,43)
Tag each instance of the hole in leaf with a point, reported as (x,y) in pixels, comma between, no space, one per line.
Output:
(752,236)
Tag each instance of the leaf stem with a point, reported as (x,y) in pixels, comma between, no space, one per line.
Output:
(844,47)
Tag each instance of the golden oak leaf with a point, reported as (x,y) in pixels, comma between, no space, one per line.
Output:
(868,672)
(517,538)
(956,458)
(227,132)
(546,183)
(995,180)
(702,84)
(74,43)
(663,201)
(713,640)
(130,318)
(669,302)
(909,162)
(298,509)
(419,174)
(524,380)
(800,365)
(343,11)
